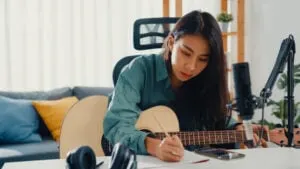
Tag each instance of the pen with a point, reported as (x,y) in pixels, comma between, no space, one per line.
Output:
(200,161)
(161,127)
(164,130)
(99,164)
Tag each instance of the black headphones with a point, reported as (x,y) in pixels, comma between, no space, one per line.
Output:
(84,158)
(81,158)
(122,158)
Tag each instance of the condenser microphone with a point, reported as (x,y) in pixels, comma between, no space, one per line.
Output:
(243,95)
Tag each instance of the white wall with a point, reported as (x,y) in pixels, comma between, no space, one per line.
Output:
(211,6)
(267,23)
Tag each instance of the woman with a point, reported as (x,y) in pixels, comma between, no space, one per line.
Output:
(189,76)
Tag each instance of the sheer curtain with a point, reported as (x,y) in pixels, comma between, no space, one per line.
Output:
(46,44)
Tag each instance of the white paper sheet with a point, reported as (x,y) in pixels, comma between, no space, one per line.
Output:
(148,162)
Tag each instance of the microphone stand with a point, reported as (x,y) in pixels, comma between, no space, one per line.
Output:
(290,98)
(286,56)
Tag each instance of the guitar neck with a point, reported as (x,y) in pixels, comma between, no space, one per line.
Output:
(208,137)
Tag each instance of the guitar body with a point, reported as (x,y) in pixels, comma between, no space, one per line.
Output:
(151,119)
(83,125)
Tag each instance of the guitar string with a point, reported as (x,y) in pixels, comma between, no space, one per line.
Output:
(214,138)
(197,139)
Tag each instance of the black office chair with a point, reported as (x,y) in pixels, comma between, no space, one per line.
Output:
(148,33)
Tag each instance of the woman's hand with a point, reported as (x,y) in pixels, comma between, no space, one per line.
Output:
(256,128)
(169,149)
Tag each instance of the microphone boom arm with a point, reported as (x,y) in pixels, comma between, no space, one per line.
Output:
(287,46)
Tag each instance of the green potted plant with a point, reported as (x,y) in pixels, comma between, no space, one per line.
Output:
(278,107)
(224,19)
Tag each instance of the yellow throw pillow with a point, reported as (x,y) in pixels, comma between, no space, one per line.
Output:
(53,112)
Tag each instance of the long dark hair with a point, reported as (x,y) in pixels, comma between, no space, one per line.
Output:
(202,99)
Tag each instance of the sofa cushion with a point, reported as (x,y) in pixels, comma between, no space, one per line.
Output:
(19,121)
(53,113)
(40,95)
(47,149)
(81,92)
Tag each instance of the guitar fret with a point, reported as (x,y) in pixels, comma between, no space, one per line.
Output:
(235,136)
(198,138)
(184,137)
(221,139)
(207,137)
(158,135)
(189,140)
(194,137)
(228,136)
(215,137)
(243,137)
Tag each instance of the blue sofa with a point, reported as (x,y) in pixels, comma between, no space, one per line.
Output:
(47,148)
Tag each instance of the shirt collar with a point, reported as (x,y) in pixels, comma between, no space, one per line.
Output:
(161,68)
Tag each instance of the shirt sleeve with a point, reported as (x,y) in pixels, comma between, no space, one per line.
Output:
(123,110)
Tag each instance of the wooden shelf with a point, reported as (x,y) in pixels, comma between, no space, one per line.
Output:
(229,33)
(240,27)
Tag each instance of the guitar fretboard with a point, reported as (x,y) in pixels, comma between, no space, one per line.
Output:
(208,137)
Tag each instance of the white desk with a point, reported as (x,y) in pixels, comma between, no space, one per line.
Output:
(265,158)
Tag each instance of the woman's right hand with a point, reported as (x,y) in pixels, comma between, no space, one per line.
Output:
(170,149)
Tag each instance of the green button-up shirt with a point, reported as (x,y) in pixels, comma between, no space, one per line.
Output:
(142,84)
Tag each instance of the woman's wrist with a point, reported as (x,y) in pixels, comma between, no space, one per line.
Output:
(151,145)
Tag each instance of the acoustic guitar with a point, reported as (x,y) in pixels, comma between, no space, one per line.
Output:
(151,119)
(88,115)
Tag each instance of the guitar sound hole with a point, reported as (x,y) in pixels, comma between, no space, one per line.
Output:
(146,131)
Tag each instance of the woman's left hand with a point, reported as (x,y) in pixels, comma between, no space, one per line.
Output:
(255,128)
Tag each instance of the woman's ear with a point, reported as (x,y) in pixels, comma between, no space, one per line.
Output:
(170,43)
